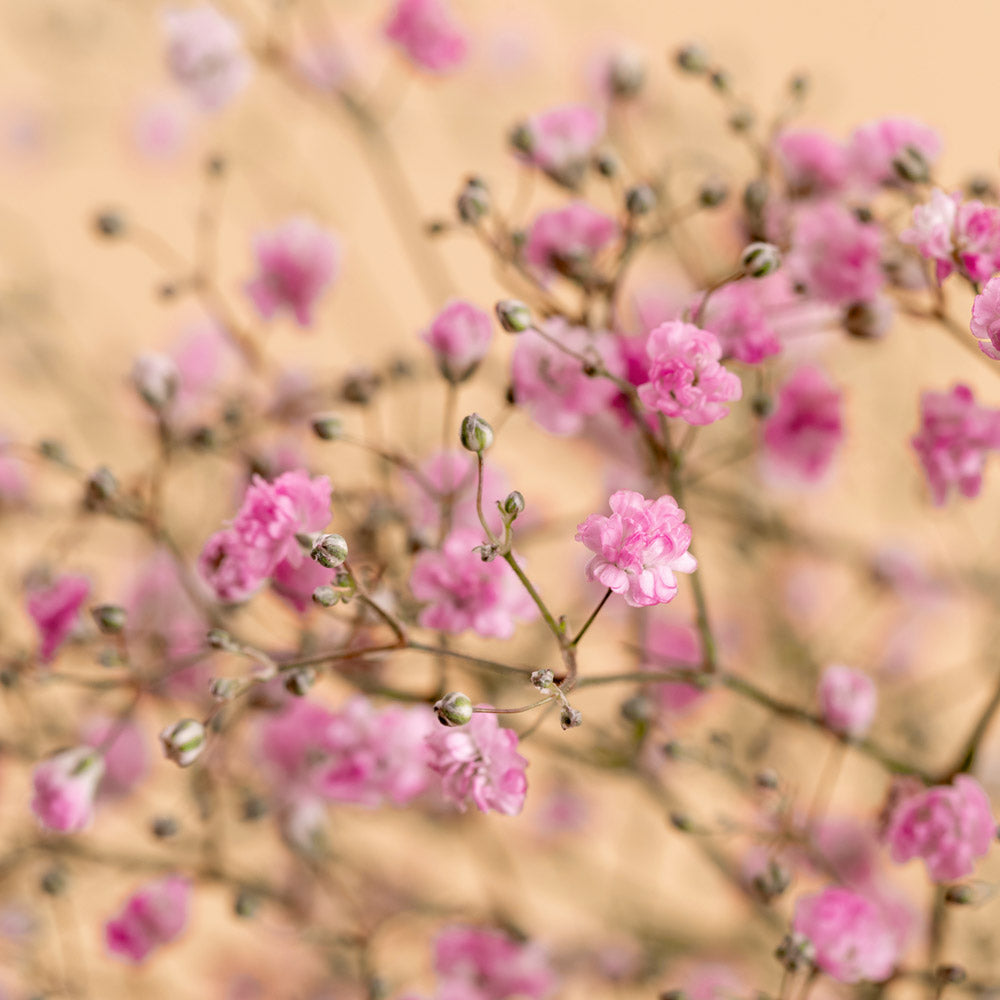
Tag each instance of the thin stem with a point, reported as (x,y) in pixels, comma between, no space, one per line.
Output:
(553,625)
(586,625)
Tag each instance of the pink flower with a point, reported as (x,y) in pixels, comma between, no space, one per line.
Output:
(739,315)
(566,240)
(462,591)
(559,142)
(874,146)
(154,915)
(126,756)
(479,964)
(552,384)
(853,938)
(813,163)
(948,826)
(685,377)
(803,433)
(295,584)
(479,762)
(985,323)
(295,262)
(426,32)
(671,647)
(205,55)
(835,255)
(954,439)
(459,336)
(847,700)
(639,548)
(55,608)
(65,786)
(229,568)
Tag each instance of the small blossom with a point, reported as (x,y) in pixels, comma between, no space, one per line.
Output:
(559,142)
(685,377)
(153,916)
(55,609)
(479,763)
(985,324)
(227,566)
(295,262)
(638,548)
(481,964)
(740,315)
(427,33)
(65,786)
(567,240)
(875,147)
(459,336)
(847,700)
(813,163)
(948,826)
(183,741)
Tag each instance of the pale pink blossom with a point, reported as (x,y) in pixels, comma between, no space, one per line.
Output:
(122,743)
(479,763)
(426,31)
(985,323)
(847,700)
(559,141)
(814,164)
(740,315)
(462,592)
(686,379)
(853,938)
(229,568)
(567,240)
(205,55)
(802,435)
(459,336)
(948,826)
(296,262)
(638,548)
(201,355)
(65,786)
(874,146)
(54,610)
(481,964)
(153,916)
(672,647)
(296,583)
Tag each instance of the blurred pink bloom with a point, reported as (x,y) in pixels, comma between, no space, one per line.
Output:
(65,786)
(566,240)
(685,377)
(985,323)
(160,127)
(954,439)
(874,146)
(853,937)
(552,384)
(559,141)
(847,700)
(126,757)
(478,964)
(228,567)
(671,647)
(948,826)
(462,591)
(155,915)
(738,314)
(427,33)
(803,433)
(459,336)
(713,981)
(639,548)
(295,584)
(479,762)
(205,55)
(201,355)
(54,610)
(296,262)
(813,163)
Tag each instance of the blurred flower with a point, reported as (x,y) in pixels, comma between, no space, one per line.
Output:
(875,147)
(985,323)
(426,32)
(459,336)
(847,700)
(566,240)
(55,609)
(480,964)
(65,786)
(813,163)
(154,915)
(559,141)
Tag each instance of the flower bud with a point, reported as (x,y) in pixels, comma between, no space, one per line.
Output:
(101,487)
(760,259)
(300,681)
(53,882)
(741,120)
(219,638)
(606,164)
(640,199)
(570,718)
(329,551)
(224,688)
(156,379)
(454,709)
(109,618)
(164,827)
(514,316)
(637,709)
(959,895)
(513,503)
(521,139)
(184,741)
(713,193)
(476,434)
(950,974)
(911,165)
(327,427)
(795,952)
(325,597)
(109,224)
(626,74)
(473,201)
(543,679)
(868,320)
(692,59)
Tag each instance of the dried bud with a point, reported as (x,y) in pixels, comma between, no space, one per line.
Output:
(473,201)
(476,434)
(156,379)
(513,503)
(514,315)
(796,952)
(327,427)
(543,679)
(640,199)
(454,709)
(713,193)
(329,551)
(184,741)
(692,59)
(300,681)
(325,597)
(101,487)
(109,618)
(760,259)
(771,882)
(570,718)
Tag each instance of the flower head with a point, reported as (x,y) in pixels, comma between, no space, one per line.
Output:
(427,33)
(567,240)
(54,610)
(847,700)
(812,162)
(482,964)
(459,336)
(65,786)
(985,323)
(875,147)
(559,142)
(154,915)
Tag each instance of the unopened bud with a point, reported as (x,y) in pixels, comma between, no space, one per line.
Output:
(473,201)
(156,379)
(109,224)
(246,904)
(476,434)
(329,551)
(960,895)
(570,718)
(626,74)
(454,709)
(101,487)
(771,882)
(713,193)
(224,688)
(513,503)
(692,59)
(682,822)
(640,199)
(868,320)
(755,197)
(521,139)
(636,709)
(607,164)
(795,952)
(543,679)
(109,618)
(514,315)
(760,259)
(184,741)
(766,779)
(163,827)
(720,81)
(53,882)
(327,427)
(300,681)
(325,597)
(741,120)
(911,165)
(219,638)
(798,86)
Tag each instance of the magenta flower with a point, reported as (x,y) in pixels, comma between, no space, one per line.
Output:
(685,377)
(847,700)
(874,146)
(461,591)
(985,323)
(948,826)
(560,141)
(65,786)
(638,548)
(566,240)
(853,938)
(739,314)
(479,762)
(478,964)
(153,916)
(459,336)
(813,163)
(54,610)
(295,263)
(427,33)
(803,433)
(205,55)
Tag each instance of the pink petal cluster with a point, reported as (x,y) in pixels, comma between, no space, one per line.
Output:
(985,323)
(874,146)
(847,700)
(261,541)
(154,915)
(459,336)
(479,964)
(813,163)
(638,548)
(296,262)
(426,31)
(124,750)
(462,592)
(561,140)
(835,255)
(479,763)
(64,789)
(54,610)
(948,826)
(566,241)
(803,433)
(955,436)
(551,383)
(853,938)
(686,379)
(205,55)
(739,314)
(669,647)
